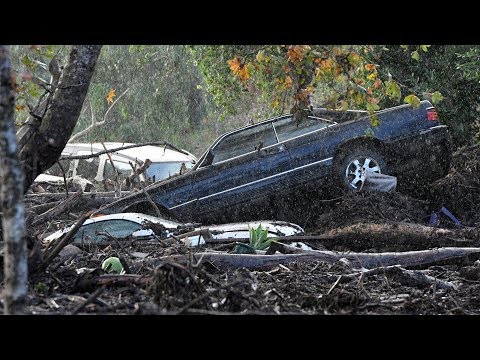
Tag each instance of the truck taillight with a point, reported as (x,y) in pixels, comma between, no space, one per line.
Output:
(432,114)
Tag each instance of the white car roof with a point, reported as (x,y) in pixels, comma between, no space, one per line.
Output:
(225,230)
(154,153)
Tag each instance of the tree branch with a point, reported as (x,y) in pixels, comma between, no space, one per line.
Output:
(94,123)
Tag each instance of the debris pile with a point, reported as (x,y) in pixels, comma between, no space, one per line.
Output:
(362,253)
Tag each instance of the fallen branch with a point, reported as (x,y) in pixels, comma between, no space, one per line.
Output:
(125,279)
(357,260)
(90,299)
(61,208)
(149,199)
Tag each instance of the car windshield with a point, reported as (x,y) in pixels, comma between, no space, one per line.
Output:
(163,170)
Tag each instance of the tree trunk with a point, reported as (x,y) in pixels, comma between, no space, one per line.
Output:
(42,145)
(13,220)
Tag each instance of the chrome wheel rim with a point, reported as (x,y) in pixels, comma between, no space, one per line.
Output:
(358,168)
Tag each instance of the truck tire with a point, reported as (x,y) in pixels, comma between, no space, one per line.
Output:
(350,167)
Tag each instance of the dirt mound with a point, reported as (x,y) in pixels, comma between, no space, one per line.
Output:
(372,207)
(459,191)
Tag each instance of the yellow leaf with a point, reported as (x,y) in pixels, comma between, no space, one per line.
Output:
(288,82)
(110,96)
(260,56)
(372,76)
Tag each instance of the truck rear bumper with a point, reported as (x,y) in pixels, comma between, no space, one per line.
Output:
(427,153)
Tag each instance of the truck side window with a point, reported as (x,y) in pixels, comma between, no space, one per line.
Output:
(245,141)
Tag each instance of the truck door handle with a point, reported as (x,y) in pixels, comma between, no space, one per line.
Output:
(273,150)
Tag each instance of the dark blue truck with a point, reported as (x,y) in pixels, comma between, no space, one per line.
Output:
(245,168)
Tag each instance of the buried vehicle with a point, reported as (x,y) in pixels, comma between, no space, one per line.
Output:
(163,162)
(240,174)
(103,228)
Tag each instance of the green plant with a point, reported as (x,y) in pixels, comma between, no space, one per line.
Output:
(113,265)
(259,238)
(41,288)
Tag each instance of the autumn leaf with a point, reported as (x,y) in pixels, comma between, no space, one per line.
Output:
(234,64)
(288,82)
(19,107)
(412,100)
(377,83)
(372,100)
(372,76)
(110,96)
(296,53)
(370,67)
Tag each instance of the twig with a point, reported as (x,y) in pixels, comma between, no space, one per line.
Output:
(149,199)
(94,123)
(64,177)
(90,299)
(334,284)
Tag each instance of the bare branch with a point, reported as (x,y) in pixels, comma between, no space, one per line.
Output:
(94,123)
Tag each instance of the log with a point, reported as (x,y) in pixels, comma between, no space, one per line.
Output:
(416,278)
(399,235)
(61,208)
(357,260)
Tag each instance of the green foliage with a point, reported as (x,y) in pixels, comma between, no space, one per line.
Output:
(259,238)
(392,90)
(30,75)
(453,71)
(436,97)
(415,55)
(412,100)
(41,288)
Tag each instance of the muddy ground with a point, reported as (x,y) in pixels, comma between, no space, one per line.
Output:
(71,284)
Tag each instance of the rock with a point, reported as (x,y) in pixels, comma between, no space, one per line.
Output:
(69,250)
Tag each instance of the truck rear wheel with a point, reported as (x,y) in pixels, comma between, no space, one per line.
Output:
(351,168)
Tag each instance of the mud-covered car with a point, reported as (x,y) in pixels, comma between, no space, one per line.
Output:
(136,226)
(243,170)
